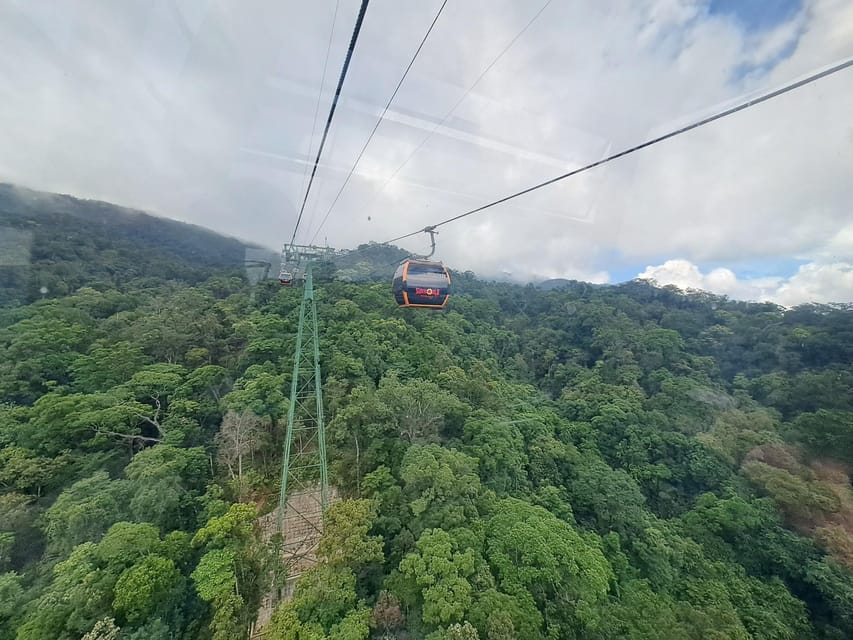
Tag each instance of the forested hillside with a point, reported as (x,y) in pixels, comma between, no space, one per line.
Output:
(61,243)
(582,462)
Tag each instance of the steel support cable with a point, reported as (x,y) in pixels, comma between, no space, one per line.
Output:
(378,122)
(320,93)
(814,77)
(453,109)
(358,22)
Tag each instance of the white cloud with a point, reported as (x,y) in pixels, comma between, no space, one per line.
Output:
(818,283)
(840,246)
(203,111)
(813,282)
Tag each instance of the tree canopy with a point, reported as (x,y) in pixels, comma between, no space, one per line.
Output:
(576,462)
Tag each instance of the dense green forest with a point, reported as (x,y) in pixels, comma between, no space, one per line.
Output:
(582,462)
(61,243)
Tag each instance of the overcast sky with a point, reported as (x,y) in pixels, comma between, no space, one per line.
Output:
(202,110)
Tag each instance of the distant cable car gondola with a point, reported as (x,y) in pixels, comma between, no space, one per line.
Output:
(420,283)
(285,278)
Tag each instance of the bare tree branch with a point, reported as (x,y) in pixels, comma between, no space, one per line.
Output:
(155,420)
(237,437)
(126,436)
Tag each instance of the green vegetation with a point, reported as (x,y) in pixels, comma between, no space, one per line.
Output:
(581,462)
(63,243)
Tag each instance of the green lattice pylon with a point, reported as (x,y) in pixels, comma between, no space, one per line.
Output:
(304,477)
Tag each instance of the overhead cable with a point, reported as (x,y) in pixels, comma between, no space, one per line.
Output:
(814,77)
(378,122)
(343,76)
(320,92)
(462,98)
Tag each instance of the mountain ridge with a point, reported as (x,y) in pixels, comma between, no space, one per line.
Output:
(52,244)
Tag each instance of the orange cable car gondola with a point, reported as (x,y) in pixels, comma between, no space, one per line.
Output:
(422,283)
